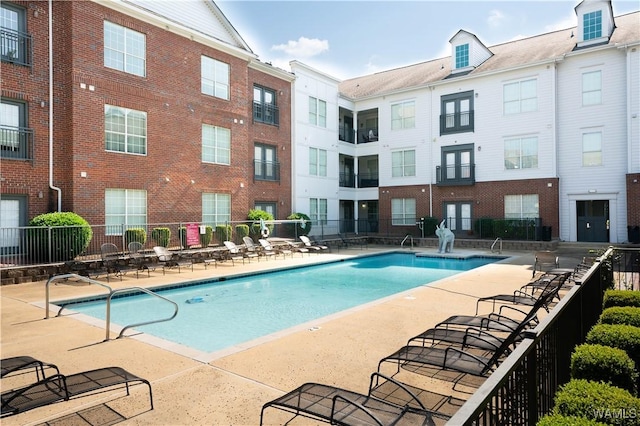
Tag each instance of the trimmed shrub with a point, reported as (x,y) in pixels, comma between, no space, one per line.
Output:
(429,226)
(296,229)
(135,234)
(182,235)
(625,337)
(206,238)
(242,231)
(598,401)
(70,237)
(483,227)
(255,215)
(629,315)
(223,233)
(621,298)
(161,236)
(558,420)
(600,363)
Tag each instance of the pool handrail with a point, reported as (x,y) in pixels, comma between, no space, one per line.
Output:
(410,237)
(144,290)
(67,276)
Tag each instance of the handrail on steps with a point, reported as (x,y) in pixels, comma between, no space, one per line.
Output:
(494,243)
(409,236)
(109,297)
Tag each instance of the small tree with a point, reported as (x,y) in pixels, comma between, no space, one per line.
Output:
(296,229)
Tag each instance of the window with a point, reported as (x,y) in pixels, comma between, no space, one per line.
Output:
(15,138)
(462,56)
(458,216)
(266,165)
(264,106)
(403,115)
(456,113)
(592,24)
(216,144)
(403,163)
(318,211)
(592,88)
(592,149)
(126,207)
(14,40)
(266,207)
(124,49)
(403,211)
(216,208)
(317,112)
(457,166)
(521,153)
(521,206)
(214,77)
(125,130)
(317,162)
(520,96)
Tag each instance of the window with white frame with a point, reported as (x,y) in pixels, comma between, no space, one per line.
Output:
(124,49)
(520,96)
(521,206)
(317,162)
(318,211)
(592,88)
(216,208)
(317,112)
(216,144)
(214,77)
(403,163)
(592,25)
(125,130)
(123,209)
(521,153)
(403,115)
(592,149)
(403,211)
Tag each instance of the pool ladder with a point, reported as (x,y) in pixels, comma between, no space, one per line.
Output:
(408,237)
(495,242)
(109,297)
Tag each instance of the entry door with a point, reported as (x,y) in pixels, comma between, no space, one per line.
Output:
(347,223)
(593,220)
(458,217)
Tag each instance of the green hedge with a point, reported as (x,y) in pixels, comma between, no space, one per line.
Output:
(625,337)
(70,236)
(161,236)
(597,401)
(558,420)
(629,315)
(600,363)
(223,233)
(621,298)
(206,238)
(241,232)
(135,234)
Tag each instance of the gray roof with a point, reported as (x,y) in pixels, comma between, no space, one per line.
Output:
(505,56)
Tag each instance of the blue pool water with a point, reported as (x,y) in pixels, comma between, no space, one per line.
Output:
(219,314)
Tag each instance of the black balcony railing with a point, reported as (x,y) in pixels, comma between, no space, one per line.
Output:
(347,180)
(266,170)
(368,180)
(460,174)
(15,47)
(366,135)
(346,134)
(266,113)
(16,143)
(456,123)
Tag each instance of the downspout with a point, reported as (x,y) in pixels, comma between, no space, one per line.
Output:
(55,188)
(431,141)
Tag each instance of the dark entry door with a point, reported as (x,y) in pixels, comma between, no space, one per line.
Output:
(593,220)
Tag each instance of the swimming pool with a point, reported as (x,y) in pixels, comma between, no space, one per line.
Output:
(218,314)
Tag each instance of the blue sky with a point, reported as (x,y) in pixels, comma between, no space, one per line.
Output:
(348,39)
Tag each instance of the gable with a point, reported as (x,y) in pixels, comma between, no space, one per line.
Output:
(595,22)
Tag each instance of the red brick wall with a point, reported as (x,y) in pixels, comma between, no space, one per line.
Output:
(633,199)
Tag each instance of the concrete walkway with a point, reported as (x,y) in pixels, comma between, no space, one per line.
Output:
(229,388)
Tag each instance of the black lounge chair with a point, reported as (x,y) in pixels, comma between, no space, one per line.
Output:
(19,363)
(338,406)
(59,388)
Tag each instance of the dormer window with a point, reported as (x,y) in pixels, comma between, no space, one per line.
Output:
(592,25)
(595,22)
(467,53)
(462,56)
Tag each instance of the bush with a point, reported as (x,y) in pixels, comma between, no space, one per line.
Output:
(429,226)
(255,215)
(135,234)
(70,237)
(223,233)
(242,231)
(629,315)
(598,401)
(558,420)
(206,238)
(483,228)
(297,229)
(182,235)
(621,298)
(604,364)
(625,337)
(161,236)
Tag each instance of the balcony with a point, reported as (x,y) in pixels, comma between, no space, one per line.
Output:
(15,47)
(266,171)
(346,133)
(366,135)
(266,113)
(456,123)
(347,180)
(368,180)
(458,175)
(16,143)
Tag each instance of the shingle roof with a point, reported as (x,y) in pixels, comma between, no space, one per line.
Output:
(506,55)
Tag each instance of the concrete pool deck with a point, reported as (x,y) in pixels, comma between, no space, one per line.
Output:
(230,387)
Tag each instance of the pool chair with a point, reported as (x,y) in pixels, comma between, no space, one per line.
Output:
(58,388)
(312,246)
(298,248)
(235,253)
(251,248)
(339,406)
(115,262)
(170,260)
(21,363)
(545,260)
(267,247)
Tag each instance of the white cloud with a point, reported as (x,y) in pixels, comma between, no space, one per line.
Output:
(303,47)
(496,18)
